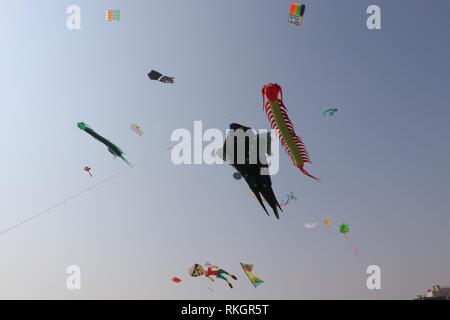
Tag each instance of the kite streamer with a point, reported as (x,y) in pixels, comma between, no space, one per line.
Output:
(353,247)
(280,122)
(112,148)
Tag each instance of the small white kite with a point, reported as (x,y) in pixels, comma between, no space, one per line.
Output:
(312,226)
(135,127)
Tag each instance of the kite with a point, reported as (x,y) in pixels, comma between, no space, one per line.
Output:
(330,112)
(112,15)
(290,196)
(155,75)
(344,229)
(252,163)
(327,222)
(112,148)
(237,176)
(296,12)
(135,127)
(176,279)
(280,122)
(312,226)
(197,270)
(248,269)
(88,170)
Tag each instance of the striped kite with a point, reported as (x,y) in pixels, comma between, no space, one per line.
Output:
(280,122)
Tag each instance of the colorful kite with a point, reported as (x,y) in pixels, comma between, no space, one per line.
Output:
(296,12)
(344,229)
(280,122)
(176,279)
(112,15)
(112,148)
(135,127)
(88,170)
(330,112)
(155,75)
(252,163)
(248,269)
(311,226)
(197,270)
(327,222)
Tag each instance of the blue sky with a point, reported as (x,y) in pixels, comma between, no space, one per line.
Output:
(383,157)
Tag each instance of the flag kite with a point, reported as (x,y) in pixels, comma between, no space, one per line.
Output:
(88,170)
(344,229)
(280,122)
(112,148)
(330,112)
(112,15)
(135,127)
(248,269)
(327,222)
(296,12)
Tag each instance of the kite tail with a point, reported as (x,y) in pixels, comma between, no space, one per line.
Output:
(353,247)
(306,173)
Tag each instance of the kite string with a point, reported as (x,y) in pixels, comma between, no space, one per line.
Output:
(353,247)
(82,192)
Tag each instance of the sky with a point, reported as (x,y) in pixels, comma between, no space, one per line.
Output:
(383,157)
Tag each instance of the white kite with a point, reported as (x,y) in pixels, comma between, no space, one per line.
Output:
(312,226)
(135,127)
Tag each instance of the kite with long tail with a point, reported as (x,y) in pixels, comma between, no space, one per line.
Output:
(280,122)
(112,148)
